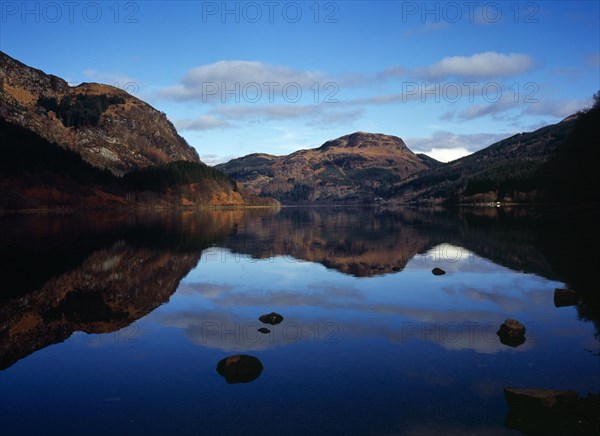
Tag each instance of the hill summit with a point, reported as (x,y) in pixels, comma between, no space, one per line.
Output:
(354,168)
(365,140)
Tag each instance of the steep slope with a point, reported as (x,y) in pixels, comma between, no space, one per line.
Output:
(96,147)
(252,170)
(105,125)
(570,175)
(353,168)
(504,171)
(35,174)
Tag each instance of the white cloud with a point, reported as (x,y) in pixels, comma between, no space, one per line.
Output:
(229,80)
(270,112)
(256,88)
(559,108)
(384,99)
(321,114)
(214,159)
(448,146)
(486,65)
(446,154)
(248,71)
(444,140)
(204,122)
(479,66)
(496,103)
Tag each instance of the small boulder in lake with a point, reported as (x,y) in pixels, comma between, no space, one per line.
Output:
(264,330)
(511,333)
(438,272)
(239,368)
(272,318)
(565,297)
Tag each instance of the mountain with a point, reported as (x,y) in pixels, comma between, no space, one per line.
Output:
(504,171)
(354,168)
(95,147)
(553,164)
(106,126)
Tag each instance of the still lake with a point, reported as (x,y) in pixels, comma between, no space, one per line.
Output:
(115,324)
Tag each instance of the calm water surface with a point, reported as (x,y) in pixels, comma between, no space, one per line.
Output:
(116,324)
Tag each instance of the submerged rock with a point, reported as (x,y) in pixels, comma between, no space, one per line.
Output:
(272,318)
(565,297)
(438,272)
(239,368)
(511,333)
(264,330)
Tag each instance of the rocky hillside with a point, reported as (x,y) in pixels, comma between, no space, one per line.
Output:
(553,164)
(354,168)
(504,171)
(96,147)
(105,125)
(37,174)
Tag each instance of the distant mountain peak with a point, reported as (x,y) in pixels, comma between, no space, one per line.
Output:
(366,140)
(354,168)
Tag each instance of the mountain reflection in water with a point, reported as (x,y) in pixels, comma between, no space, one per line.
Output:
(351,284)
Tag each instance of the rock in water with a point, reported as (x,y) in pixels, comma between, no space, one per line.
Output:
(511,327)
(272,318)
(565,297)
(511,333)
(239,368)
(438,272)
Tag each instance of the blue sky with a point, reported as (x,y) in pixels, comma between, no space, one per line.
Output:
(240,77)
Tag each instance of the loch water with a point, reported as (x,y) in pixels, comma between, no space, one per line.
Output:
(118,323)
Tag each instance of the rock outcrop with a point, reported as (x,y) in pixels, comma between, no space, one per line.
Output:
(107,126)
